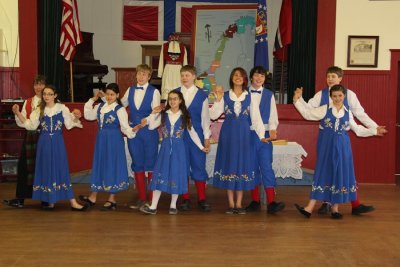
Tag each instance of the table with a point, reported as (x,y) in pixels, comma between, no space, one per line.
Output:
(286,160)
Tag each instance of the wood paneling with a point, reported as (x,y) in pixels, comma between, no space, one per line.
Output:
(374,156)
(325,54)
(28,45)
(9,83)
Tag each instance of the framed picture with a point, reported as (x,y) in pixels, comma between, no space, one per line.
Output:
(223,38)
(362,51)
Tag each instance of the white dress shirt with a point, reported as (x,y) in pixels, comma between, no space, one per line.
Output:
(139,96)
(218,108)
(35,105)
(319,113)
(354,105)
(173,118)
(33,122)
(273,121)
(188,95)
(90,114)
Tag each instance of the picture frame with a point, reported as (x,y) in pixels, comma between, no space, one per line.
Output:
(362,51)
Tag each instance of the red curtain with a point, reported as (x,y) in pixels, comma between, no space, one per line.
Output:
(140,23)
(186,19)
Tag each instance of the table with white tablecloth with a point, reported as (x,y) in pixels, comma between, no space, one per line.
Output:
(286,160)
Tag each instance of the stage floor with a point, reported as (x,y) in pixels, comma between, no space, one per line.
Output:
(32,237)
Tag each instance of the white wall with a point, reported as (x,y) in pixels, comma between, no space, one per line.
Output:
(9,49)
(364,17)
(104,19)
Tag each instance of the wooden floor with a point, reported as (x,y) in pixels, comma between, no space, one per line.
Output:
(32,237)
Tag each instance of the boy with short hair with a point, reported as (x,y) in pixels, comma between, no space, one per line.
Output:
(142,99)
(197,104)
(269,115)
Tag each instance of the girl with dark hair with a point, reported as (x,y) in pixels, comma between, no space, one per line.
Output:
(52,181)
(109,170)
(172,168)
(334,178)
(235,162)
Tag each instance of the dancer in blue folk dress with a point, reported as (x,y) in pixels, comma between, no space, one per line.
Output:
(235,161)
(334,178)
(172,166)
(109,171)
(52,181)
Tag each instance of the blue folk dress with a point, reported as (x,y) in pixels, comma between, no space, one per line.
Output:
(171,170)
(234,164)
(109,170)
(334,178)
(52,181)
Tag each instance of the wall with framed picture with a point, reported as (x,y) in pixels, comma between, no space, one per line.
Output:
(362,51)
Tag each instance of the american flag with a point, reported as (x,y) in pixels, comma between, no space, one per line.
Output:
(71,35)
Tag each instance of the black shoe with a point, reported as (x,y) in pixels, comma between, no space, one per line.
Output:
(86,199)
(172,211)
(274,207)
(241,211)
(325,208)
(16,202)
(48,207)
(84,208)
(362,209)
(230,211)
(254,206)
(303,211)
(147,210)
(45,204)
(109,206)
(185,206)
(204,206)
(336,215)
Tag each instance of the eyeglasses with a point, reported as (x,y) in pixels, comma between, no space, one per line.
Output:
(47,94)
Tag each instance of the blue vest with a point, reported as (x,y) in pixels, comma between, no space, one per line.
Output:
(145,108)
(195,109)
(325,98)
(265,105)
(110,120)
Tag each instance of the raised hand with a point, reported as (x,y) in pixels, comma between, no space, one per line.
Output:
(98,95)
(157,109)
(218,93)
(381,130)
(15,108)
(77,113)
(297,94)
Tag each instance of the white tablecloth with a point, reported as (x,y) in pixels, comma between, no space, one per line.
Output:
(286,160)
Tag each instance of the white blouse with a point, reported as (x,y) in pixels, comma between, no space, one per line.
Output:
(90,114)
(173,118)
(33,122)
(35,105)
(218,108)
(319,113)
